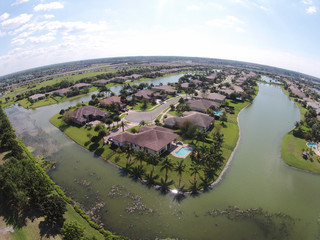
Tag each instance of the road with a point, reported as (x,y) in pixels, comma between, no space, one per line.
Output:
(149,116)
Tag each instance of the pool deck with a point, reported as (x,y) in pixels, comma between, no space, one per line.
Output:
(177,147)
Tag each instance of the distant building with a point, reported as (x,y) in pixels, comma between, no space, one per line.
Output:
(101,82)
(61,92)
(110,100)
(82,85)
(151,139)
(88,113)
(37,97)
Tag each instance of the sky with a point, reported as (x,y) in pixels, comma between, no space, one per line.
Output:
(280,33)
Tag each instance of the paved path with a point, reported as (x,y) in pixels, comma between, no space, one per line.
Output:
(149,116)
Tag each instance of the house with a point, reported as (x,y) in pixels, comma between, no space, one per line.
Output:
(37,97)
(144,94)
(185,85)
(82,85)
(212,76)
(88,113)
(201,105)
(152,139)
(61,92)
(168,89)
(101,82)
(201,120)
(110,100)
(147,94)
(135,76)
(212,96)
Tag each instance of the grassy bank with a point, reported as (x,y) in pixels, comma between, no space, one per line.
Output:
(293,147)
(291,153)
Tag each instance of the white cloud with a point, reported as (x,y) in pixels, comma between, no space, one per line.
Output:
(2,33)
(311,9)
(193,7)
(310,6)
(48,6)
(4,16)
(18,2)
(231,22)
(15,22)
(255,3)
(48,16)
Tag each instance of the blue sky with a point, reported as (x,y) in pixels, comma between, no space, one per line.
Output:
(281,33)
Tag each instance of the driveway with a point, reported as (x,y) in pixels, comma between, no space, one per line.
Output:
(149,116)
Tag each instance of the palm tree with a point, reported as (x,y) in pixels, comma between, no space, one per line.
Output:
(205,182)
(165,185)
(195,169)
(138,171)
(153,159)
(180,168)
(129,150)
(150,178)
(141,156)
(166,165)
(122,125)
(128,167)
(108,121)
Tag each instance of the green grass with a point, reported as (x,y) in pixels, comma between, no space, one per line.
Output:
(291,153)
(51,100)
(138,107)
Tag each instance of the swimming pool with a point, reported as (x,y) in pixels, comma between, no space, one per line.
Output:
(183,151)
(130,97)
(312,144)
(218,113)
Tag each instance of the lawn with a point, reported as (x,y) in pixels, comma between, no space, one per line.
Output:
(138,107)
(291,153)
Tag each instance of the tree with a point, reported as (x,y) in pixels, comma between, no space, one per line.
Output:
(116,118)
(72,231)
(142,123)
(54,207)
(108,121)
(122,125)
(140,156)
(180,168)
(150,178)
(165,185)
(195,169)
(144,104)
(166,165)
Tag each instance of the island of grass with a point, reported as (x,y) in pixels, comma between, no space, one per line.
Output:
(294,149)
(169,172)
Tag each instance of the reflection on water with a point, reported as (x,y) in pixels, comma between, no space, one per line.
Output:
(274,201)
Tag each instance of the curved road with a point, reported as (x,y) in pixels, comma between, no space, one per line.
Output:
(151,115)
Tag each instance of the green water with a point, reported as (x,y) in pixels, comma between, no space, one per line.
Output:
(256,178)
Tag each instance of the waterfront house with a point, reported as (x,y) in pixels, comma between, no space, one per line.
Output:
(37,97)
(101,82)
(82,85)
(88,113)
(152,139)
(212,96)
(110,100)
(61,92)
(201,120)
(201,105)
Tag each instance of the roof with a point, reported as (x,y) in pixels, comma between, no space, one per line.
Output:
(202,104)
(185,85)
(153,137)
(199,119)
(79,85)
(166,88)
(82,114)
(212,96)
(110,100)
(36,96)
(144,93)
(101,81)
(62,91)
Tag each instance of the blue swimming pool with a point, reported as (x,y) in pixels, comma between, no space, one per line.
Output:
(182,152)
(312,144)
(129,97)
(218,113)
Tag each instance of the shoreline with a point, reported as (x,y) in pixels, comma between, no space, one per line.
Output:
(223,172)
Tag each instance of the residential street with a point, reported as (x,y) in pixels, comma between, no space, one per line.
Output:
(149,116)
